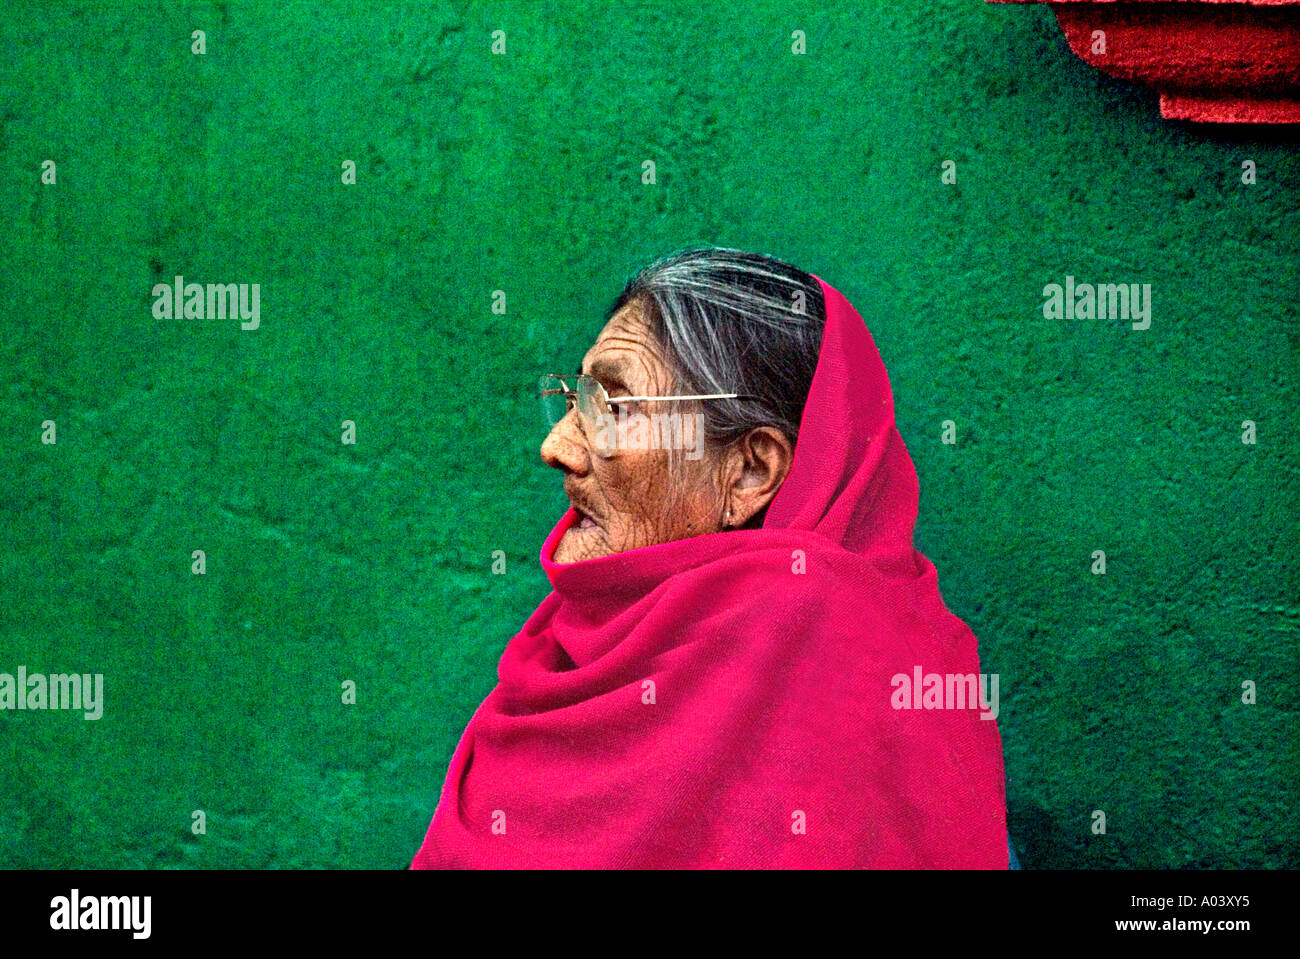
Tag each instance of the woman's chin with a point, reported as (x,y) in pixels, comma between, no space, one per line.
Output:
(582,541)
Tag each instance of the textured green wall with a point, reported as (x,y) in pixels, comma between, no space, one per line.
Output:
(521,173)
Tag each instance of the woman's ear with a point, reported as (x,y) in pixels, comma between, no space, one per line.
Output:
(759,463)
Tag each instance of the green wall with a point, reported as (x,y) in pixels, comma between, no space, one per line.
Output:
(522,172)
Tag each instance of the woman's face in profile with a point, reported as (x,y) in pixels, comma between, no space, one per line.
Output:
(635,497)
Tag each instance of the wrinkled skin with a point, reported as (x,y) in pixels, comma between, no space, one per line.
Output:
(640,497)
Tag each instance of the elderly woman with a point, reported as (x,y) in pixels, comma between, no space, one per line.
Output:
(717,678)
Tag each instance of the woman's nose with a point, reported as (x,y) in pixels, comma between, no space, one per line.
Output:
(565,447)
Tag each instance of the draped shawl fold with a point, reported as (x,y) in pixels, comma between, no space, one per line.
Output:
(728,700)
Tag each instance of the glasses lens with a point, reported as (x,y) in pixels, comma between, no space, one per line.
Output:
(555,404)
(593,407)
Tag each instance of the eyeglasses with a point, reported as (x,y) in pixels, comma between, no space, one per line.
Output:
(594,405)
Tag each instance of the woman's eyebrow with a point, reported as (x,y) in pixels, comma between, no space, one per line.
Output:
(610,373)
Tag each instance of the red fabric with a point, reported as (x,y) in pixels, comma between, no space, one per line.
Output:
(1213,61)
(771,688)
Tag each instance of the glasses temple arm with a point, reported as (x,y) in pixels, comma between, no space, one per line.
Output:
(700,396)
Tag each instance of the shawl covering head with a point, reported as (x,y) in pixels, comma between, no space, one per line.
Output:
(728,700)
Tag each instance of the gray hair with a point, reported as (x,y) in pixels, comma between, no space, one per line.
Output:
(734,322)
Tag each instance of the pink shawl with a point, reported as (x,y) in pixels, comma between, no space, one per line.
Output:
(732,700)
